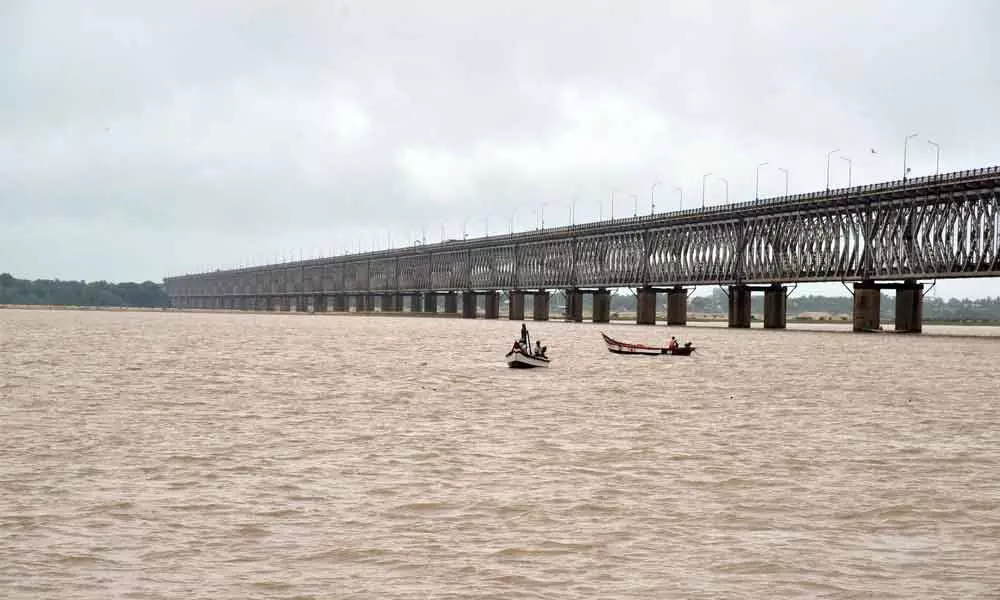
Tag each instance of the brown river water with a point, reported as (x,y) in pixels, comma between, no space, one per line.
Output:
(192,455)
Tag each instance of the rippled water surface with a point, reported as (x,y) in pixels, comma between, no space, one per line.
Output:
(172,455)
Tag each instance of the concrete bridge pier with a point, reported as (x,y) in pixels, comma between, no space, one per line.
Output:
(739,306)
(387,303)
(867,304)
(574,305)
(302,303)
(541,306)
(340,303)
(372,302)
(645,308)
(516,306)
(430,302)
(677,306)
(416,303)
(286,304)
(775,303)
(492,304)
(319,303)
(451,303)
(358,301)
(602,306)
(469,304)
(910,307)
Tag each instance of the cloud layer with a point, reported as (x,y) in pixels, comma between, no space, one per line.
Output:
(144,140)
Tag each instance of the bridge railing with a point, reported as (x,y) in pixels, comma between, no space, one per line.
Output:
(587,228)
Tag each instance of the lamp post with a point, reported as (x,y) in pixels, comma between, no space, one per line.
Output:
(725,182)
(937,159)
(785,171)
(652,202)
(704,182)
(756,182)
(613,190)
(680,191)
(906,141)
(635,204)
(849,168)
(828,155)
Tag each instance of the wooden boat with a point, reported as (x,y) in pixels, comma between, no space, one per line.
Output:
(617,347)
(518,358)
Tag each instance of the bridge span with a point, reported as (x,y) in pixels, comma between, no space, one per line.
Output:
(880,236)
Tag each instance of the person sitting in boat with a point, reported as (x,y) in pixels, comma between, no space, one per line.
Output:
(539,349)
(673,345)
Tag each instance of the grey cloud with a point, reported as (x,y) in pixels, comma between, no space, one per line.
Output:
(226,131)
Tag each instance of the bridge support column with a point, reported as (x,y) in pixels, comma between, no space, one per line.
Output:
(541,306)
(645,311)
(359,303)
(677,306)
(739,306)
(468,304)
(775,307)
(416,303)
(372,301)
(516,306)
(302,303)
(319,303)
(602,306)
(574,305)
(339,303)
(867,304)
(430,302)
(492,304)
(286,304)
(451,303)
(910,307)
(387,303)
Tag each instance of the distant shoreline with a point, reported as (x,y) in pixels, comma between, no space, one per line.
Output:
(616,318)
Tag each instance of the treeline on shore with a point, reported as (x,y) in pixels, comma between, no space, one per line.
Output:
(935,309)
(81,293)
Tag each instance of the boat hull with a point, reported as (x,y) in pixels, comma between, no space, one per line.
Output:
(516,360)
(617,347)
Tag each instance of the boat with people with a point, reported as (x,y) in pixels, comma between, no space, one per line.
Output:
(523,356)
(675,349)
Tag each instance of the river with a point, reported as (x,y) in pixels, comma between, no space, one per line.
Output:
(193,455)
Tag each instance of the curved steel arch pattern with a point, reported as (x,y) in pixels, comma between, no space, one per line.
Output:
(933,227)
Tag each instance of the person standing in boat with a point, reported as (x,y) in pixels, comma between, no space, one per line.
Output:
(524,337)
(673,345)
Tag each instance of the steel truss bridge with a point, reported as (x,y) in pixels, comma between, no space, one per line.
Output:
(933,227)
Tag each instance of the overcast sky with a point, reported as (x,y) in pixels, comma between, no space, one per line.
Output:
(141,139)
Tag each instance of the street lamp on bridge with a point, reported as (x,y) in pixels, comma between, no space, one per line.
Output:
(785,171)
(613,191)
(704,182)
(906,141)
(652,203)
(725,182)
(937,159)
(828,155)
(635,204)
(680,191)
(849,168)
(756,182)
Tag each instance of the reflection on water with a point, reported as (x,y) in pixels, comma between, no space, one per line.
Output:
(151,455)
